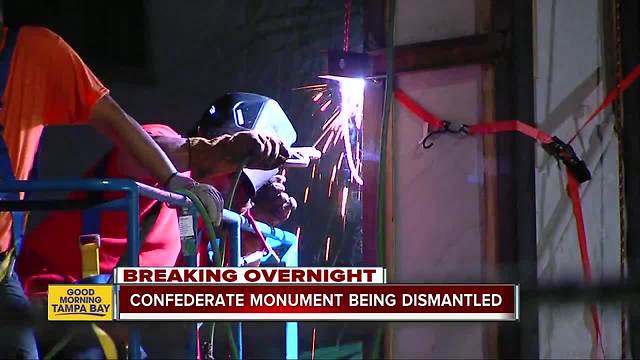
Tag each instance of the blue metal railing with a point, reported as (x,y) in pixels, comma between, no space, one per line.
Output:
(130,202)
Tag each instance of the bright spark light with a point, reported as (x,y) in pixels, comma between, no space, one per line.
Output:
(298,233)
(313,345)
(325,106)
(347,118)
(326,253)
(306,194)
(332,179)
(317,97)
(313,171)
(326,145)
(345,193)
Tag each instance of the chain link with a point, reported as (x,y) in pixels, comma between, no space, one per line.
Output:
(347,20)
(618,130)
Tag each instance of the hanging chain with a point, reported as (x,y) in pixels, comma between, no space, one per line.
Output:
(347,20)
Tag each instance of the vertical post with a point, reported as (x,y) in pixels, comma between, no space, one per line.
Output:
(188,222)
(133,251)
(291,328)
(514,93)
(235,244)
(629,21)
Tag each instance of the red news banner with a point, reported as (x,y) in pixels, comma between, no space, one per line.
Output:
(303,294)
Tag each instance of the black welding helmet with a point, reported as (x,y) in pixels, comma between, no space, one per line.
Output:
(235,112)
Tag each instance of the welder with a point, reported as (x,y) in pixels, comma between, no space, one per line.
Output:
(44,82)
(52,253)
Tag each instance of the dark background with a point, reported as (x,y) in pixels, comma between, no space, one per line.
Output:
(165,61)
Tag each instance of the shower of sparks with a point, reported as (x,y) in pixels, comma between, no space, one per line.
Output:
(346,118)
(306,194)
(345,193)
(341,100)
(327,247)
(313,345)
(298,233)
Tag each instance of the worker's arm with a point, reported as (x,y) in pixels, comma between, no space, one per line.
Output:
(213,157)
(108,117)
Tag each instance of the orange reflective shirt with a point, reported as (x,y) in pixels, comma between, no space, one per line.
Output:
(48,84)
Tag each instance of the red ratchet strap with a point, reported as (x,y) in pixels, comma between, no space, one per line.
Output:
(478,129)
(418,110)
(611,97)
(254,225)
(510,126)
(554,146)
(573,190)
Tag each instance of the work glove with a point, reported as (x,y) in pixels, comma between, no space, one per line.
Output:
(211,198)
(225,154)
(272,205)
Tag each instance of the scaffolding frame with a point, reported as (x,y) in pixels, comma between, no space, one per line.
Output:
(130,203)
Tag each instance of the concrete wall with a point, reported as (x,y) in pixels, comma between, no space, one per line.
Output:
(438,210)
(569,85)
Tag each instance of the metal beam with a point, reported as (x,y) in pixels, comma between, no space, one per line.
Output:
(474,49)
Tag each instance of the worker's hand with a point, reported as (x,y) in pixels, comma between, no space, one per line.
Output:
(225,154)
(210,197)
(272,205)
(263,152)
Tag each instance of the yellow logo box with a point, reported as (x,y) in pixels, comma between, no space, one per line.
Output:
(80,302)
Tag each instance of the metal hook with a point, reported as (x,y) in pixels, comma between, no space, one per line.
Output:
(446,128)
(424,141)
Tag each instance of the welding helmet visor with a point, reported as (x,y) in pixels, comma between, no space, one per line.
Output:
(235,112)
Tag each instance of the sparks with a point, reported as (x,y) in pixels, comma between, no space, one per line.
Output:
(340,162)
(313,171)
(326,254)
(317,97)
(313,345)
(338,126)
(298,234)
(345,194)
(333,178)
(306,194)
(325,106)
(326,145)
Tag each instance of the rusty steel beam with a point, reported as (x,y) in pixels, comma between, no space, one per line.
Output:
(474,49)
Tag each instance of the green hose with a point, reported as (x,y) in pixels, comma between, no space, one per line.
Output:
(219,252)
(218,262)
(388,99)
(208,222)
